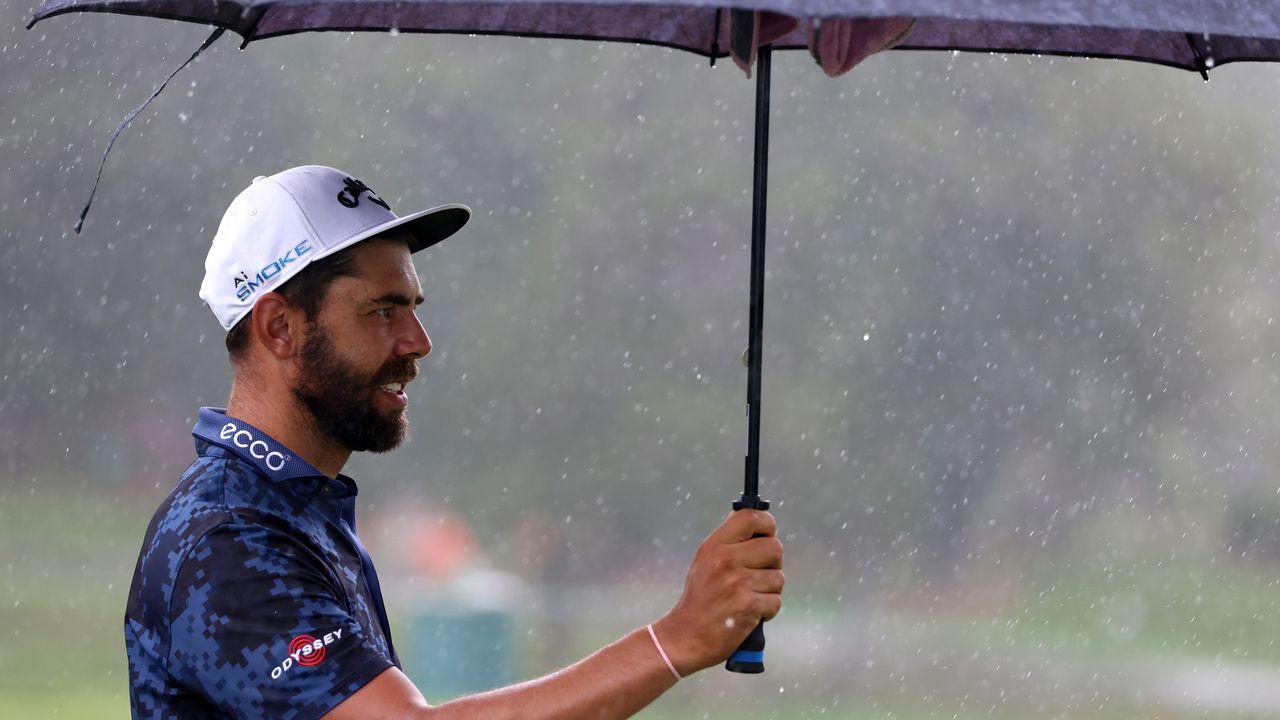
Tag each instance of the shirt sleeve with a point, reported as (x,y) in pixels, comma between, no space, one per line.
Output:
(262,628)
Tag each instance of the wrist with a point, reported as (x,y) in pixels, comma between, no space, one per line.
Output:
(657,644)
(675,641)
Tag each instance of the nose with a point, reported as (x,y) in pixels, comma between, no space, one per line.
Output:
(416,343)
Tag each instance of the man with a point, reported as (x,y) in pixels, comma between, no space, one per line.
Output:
(253,597)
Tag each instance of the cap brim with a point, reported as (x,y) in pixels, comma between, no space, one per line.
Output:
(424,229)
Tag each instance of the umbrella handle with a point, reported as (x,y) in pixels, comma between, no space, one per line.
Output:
(749,657)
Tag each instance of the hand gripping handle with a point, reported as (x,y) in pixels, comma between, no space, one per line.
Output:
(749,657)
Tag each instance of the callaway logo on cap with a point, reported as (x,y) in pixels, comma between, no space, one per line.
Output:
(281,224)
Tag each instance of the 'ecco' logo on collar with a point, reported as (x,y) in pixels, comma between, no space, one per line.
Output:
(350,195)
(257,448)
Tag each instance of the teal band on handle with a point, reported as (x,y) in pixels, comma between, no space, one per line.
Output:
(750,656)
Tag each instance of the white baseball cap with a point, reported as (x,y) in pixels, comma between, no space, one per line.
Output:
(280,224)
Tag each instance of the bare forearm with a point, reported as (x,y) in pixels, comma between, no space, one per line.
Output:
(614,682)
(734,582)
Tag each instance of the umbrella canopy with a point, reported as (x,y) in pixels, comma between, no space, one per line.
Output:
(1190,34)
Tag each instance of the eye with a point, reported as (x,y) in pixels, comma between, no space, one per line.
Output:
(383,312)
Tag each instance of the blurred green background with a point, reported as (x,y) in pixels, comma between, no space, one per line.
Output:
(1020,366)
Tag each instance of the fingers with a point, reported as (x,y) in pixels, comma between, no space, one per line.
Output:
(766,599)
(767,581)
(759,553)
(766,586)
(744,524)
(769,606)
(736,575)
(760,595)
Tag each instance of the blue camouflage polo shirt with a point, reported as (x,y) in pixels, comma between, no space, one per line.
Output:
(253,597)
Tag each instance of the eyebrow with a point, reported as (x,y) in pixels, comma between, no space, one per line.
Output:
(395,298)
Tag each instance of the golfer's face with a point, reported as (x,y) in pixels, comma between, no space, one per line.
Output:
(372,321)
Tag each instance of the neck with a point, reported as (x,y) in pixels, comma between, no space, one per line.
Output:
(290,423)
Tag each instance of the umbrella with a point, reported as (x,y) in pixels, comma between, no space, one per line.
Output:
(1188,34)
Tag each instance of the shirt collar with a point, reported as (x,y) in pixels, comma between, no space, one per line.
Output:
(271,458)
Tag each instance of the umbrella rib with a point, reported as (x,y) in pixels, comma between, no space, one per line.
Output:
(252,28)
(1202,64)
(715,38)
(217,33)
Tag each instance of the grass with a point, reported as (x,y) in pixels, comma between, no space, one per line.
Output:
(1226,611)
(66,561)
(77,703)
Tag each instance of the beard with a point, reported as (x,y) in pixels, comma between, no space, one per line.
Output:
(342,399)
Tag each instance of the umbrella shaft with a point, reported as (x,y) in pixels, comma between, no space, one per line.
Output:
(760,176)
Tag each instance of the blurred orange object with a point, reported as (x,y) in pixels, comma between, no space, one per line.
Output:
(442,546)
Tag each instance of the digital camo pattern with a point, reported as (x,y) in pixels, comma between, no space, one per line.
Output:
(251,598)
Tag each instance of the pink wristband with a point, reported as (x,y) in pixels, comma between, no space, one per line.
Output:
(662,652)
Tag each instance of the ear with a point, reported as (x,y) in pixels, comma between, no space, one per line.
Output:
(278,325)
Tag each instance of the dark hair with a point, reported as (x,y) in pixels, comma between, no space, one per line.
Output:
(307,290)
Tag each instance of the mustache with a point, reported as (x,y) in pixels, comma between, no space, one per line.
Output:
(402,370)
